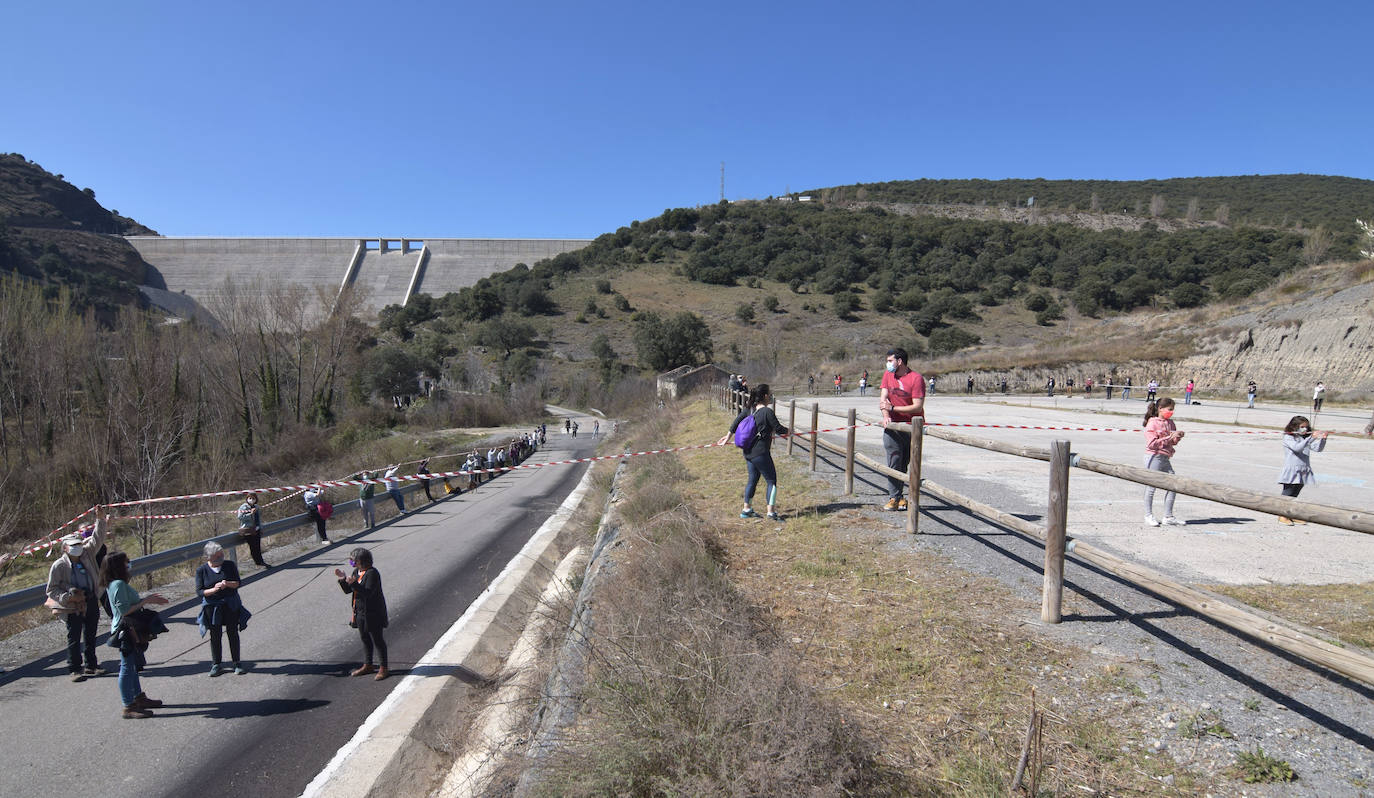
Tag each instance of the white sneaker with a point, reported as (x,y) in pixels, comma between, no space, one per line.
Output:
(326,542)
(1169,520)
(1150,521)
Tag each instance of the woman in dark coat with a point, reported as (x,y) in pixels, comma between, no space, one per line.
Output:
(217,584)
(369,609)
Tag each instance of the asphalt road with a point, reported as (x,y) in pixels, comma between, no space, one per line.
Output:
(267,733)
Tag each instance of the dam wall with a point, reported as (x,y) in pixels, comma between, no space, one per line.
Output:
(204,269)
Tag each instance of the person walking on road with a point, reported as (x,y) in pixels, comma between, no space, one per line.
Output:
(1318,394)
(1250,390)
(250,528)
(1299,441)
(364,585)
(1161,436)
(73,589)
(124,603)
(221,609)
(901,397)
(758,449)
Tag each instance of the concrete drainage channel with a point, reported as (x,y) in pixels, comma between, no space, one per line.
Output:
(399,749)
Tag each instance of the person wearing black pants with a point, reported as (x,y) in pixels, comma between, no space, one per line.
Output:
(369,610)
(73,589)
(424,483)
(217,584)
(250,528)
(902,397)
(758,450)
(312,496)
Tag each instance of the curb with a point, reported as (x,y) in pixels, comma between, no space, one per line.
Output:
(401,746)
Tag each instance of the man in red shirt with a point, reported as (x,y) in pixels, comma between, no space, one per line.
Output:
(903,396)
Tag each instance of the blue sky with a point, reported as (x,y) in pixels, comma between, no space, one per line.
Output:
(550,120)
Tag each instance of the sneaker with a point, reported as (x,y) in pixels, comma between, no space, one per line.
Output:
(95,670)
(891,504)
(1285,520)
(748,514)
(774,517)
(144,702)
(216,670)
(78,676)
(902,505)
(132,712)
(325,542)
(1169,520)
(240,669)
(1151,521)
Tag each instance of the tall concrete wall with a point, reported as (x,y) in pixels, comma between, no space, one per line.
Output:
(198,267)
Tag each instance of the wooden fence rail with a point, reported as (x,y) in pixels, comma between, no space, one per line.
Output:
(1348,661)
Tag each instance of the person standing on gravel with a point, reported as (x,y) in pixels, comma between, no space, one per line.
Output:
(1299,441)
(901,397)
(1318,394)
(1250,390)
(73,589)
(1160,438)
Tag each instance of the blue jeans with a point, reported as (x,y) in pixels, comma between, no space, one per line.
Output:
(395,495)
(130,660)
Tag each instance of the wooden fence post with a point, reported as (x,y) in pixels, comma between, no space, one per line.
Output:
(791,425)
(1056,520)
(815,427)
(849,456)
(913,473)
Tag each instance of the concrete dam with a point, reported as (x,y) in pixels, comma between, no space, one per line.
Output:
(189,274)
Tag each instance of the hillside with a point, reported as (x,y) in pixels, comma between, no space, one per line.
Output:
(789,288)
(55,234)
(1279,201)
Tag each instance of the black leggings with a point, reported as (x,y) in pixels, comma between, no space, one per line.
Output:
(372,637)
(319,522)
(761,467)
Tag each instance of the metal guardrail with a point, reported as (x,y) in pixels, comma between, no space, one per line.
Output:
(30,597)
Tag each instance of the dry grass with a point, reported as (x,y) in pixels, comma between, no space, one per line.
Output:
(918,653)
(1343,611)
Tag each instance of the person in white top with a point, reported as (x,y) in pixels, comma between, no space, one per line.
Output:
(393,487)
(1318,394)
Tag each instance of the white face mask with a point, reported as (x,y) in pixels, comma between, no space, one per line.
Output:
(1303,430)
(892,367)
(76,551)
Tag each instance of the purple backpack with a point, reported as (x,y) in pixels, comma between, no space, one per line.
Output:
(746,432)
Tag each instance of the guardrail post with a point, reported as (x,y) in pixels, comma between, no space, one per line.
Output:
(849,456)
(1056,519)
(913,474)
(815,427)
(791,425)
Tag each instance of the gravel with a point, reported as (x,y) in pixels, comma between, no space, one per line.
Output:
(1189,674)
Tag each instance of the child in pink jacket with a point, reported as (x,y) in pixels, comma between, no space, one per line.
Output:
(1160,438)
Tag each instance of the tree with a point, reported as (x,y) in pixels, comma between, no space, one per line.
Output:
(845,302)
(1316,245)
(505,333)
(683,339)
(1157,205)
(390,371)
(745,312)
(952,339)
(771,303)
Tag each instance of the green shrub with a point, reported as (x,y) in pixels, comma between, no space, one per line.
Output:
(1257,767)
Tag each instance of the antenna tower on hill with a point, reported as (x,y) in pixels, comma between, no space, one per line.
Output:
(722,181)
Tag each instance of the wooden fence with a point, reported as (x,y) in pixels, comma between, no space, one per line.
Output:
(1354,663)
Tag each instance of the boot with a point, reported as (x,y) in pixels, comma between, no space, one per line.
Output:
(144,702)
(382,673)
(363,670)
(132,712)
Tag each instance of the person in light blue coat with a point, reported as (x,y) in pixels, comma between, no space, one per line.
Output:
(1299,441)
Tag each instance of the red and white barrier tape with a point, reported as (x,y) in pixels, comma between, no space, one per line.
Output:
(293,490)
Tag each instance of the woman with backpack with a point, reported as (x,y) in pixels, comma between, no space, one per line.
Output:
(753,430)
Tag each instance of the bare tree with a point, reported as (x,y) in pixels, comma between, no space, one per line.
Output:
(1224,213)
(1157,205)
(1095,203)
(1194,210)
(1316,245)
